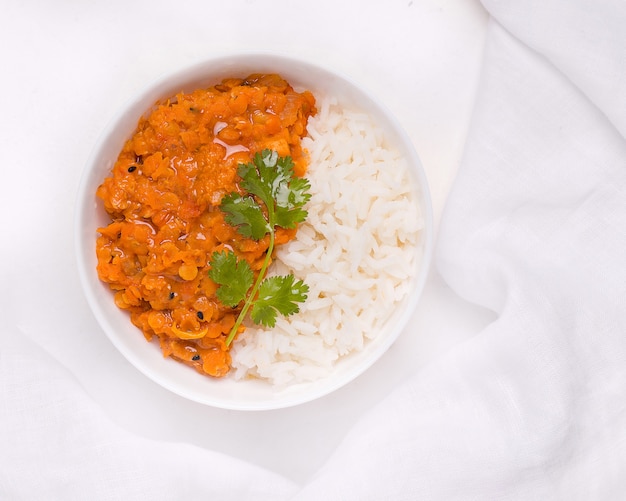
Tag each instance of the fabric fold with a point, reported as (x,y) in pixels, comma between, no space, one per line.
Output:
(584,39)
(532,407)
(68,449)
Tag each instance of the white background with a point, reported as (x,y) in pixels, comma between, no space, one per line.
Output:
(68,66)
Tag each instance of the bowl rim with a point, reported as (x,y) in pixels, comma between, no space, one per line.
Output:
(137,102)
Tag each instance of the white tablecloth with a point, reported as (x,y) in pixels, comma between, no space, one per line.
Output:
(509,382)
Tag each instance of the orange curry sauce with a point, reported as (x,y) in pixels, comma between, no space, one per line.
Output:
(163,198)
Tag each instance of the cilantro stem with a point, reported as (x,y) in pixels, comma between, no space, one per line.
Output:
(266,181)
(257,284)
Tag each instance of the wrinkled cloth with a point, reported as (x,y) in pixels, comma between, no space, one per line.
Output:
(67,449)
(532,408)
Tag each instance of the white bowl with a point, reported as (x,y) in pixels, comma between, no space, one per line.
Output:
(178,378)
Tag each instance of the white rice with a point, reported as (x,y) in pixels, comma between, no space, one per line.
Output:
(357,251)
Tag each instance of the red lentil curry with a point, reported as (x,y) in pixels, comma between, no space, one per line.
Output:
(163,198)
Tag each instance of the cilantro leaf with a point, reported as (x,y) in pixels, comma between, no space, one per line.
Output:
(271,179)
(246,214)
(233,276)
(279,294)
(289,203)
(259,176)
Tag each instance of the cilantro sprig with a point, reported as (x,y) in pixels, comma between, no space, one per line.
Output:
(273,197)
